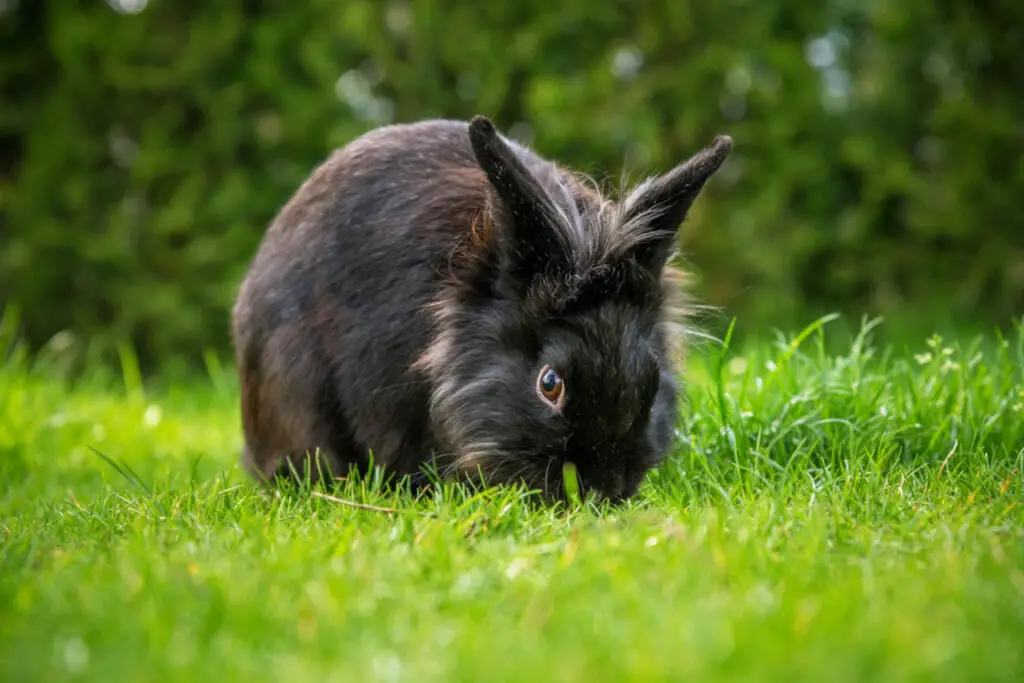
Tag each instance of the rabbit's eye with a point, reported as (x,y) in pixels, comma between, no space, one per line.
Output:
(550,385)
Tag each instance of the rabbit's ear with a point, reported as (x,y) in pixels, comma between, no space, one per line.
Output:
(655,209)
(530,237)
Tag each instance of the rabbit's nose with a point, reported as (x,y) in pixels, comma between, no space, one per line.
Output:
(614,486)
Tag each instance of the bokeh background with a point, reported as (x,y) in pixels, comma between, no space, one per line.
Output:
(878,167)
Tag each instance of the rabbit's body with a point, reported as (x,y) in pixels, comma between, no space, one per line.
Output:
(400,305)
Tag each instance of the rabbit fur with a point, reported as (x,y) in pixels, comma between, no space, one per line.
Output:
(436,294)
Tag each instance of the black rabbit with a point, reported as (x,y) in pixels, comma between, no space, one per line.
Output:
(435,293)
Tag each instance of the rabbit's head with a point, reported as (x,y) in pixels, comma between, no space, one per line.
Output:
(552,340)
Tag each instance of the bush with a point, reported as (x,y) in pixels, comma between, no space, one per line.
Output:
(877,162)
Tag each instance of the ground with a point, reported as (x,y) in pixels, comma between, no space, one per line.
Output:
(847,515)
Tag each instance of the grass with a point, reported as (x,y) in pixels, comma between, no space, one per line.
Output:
(840,516)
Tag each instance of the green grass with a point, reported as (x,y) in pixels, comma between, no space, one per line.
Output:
(847,516)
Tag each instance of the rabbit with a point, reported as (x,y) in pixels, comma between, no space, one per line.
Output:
(438,296)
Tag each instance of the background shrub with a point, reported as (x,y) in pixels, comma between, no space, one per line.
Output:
(144,146)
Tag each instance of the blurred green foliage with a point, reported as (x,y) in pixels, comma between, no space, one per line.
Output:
(878,162)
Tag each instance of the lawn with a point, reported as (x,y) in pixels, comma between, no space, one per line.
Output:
(850,514)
